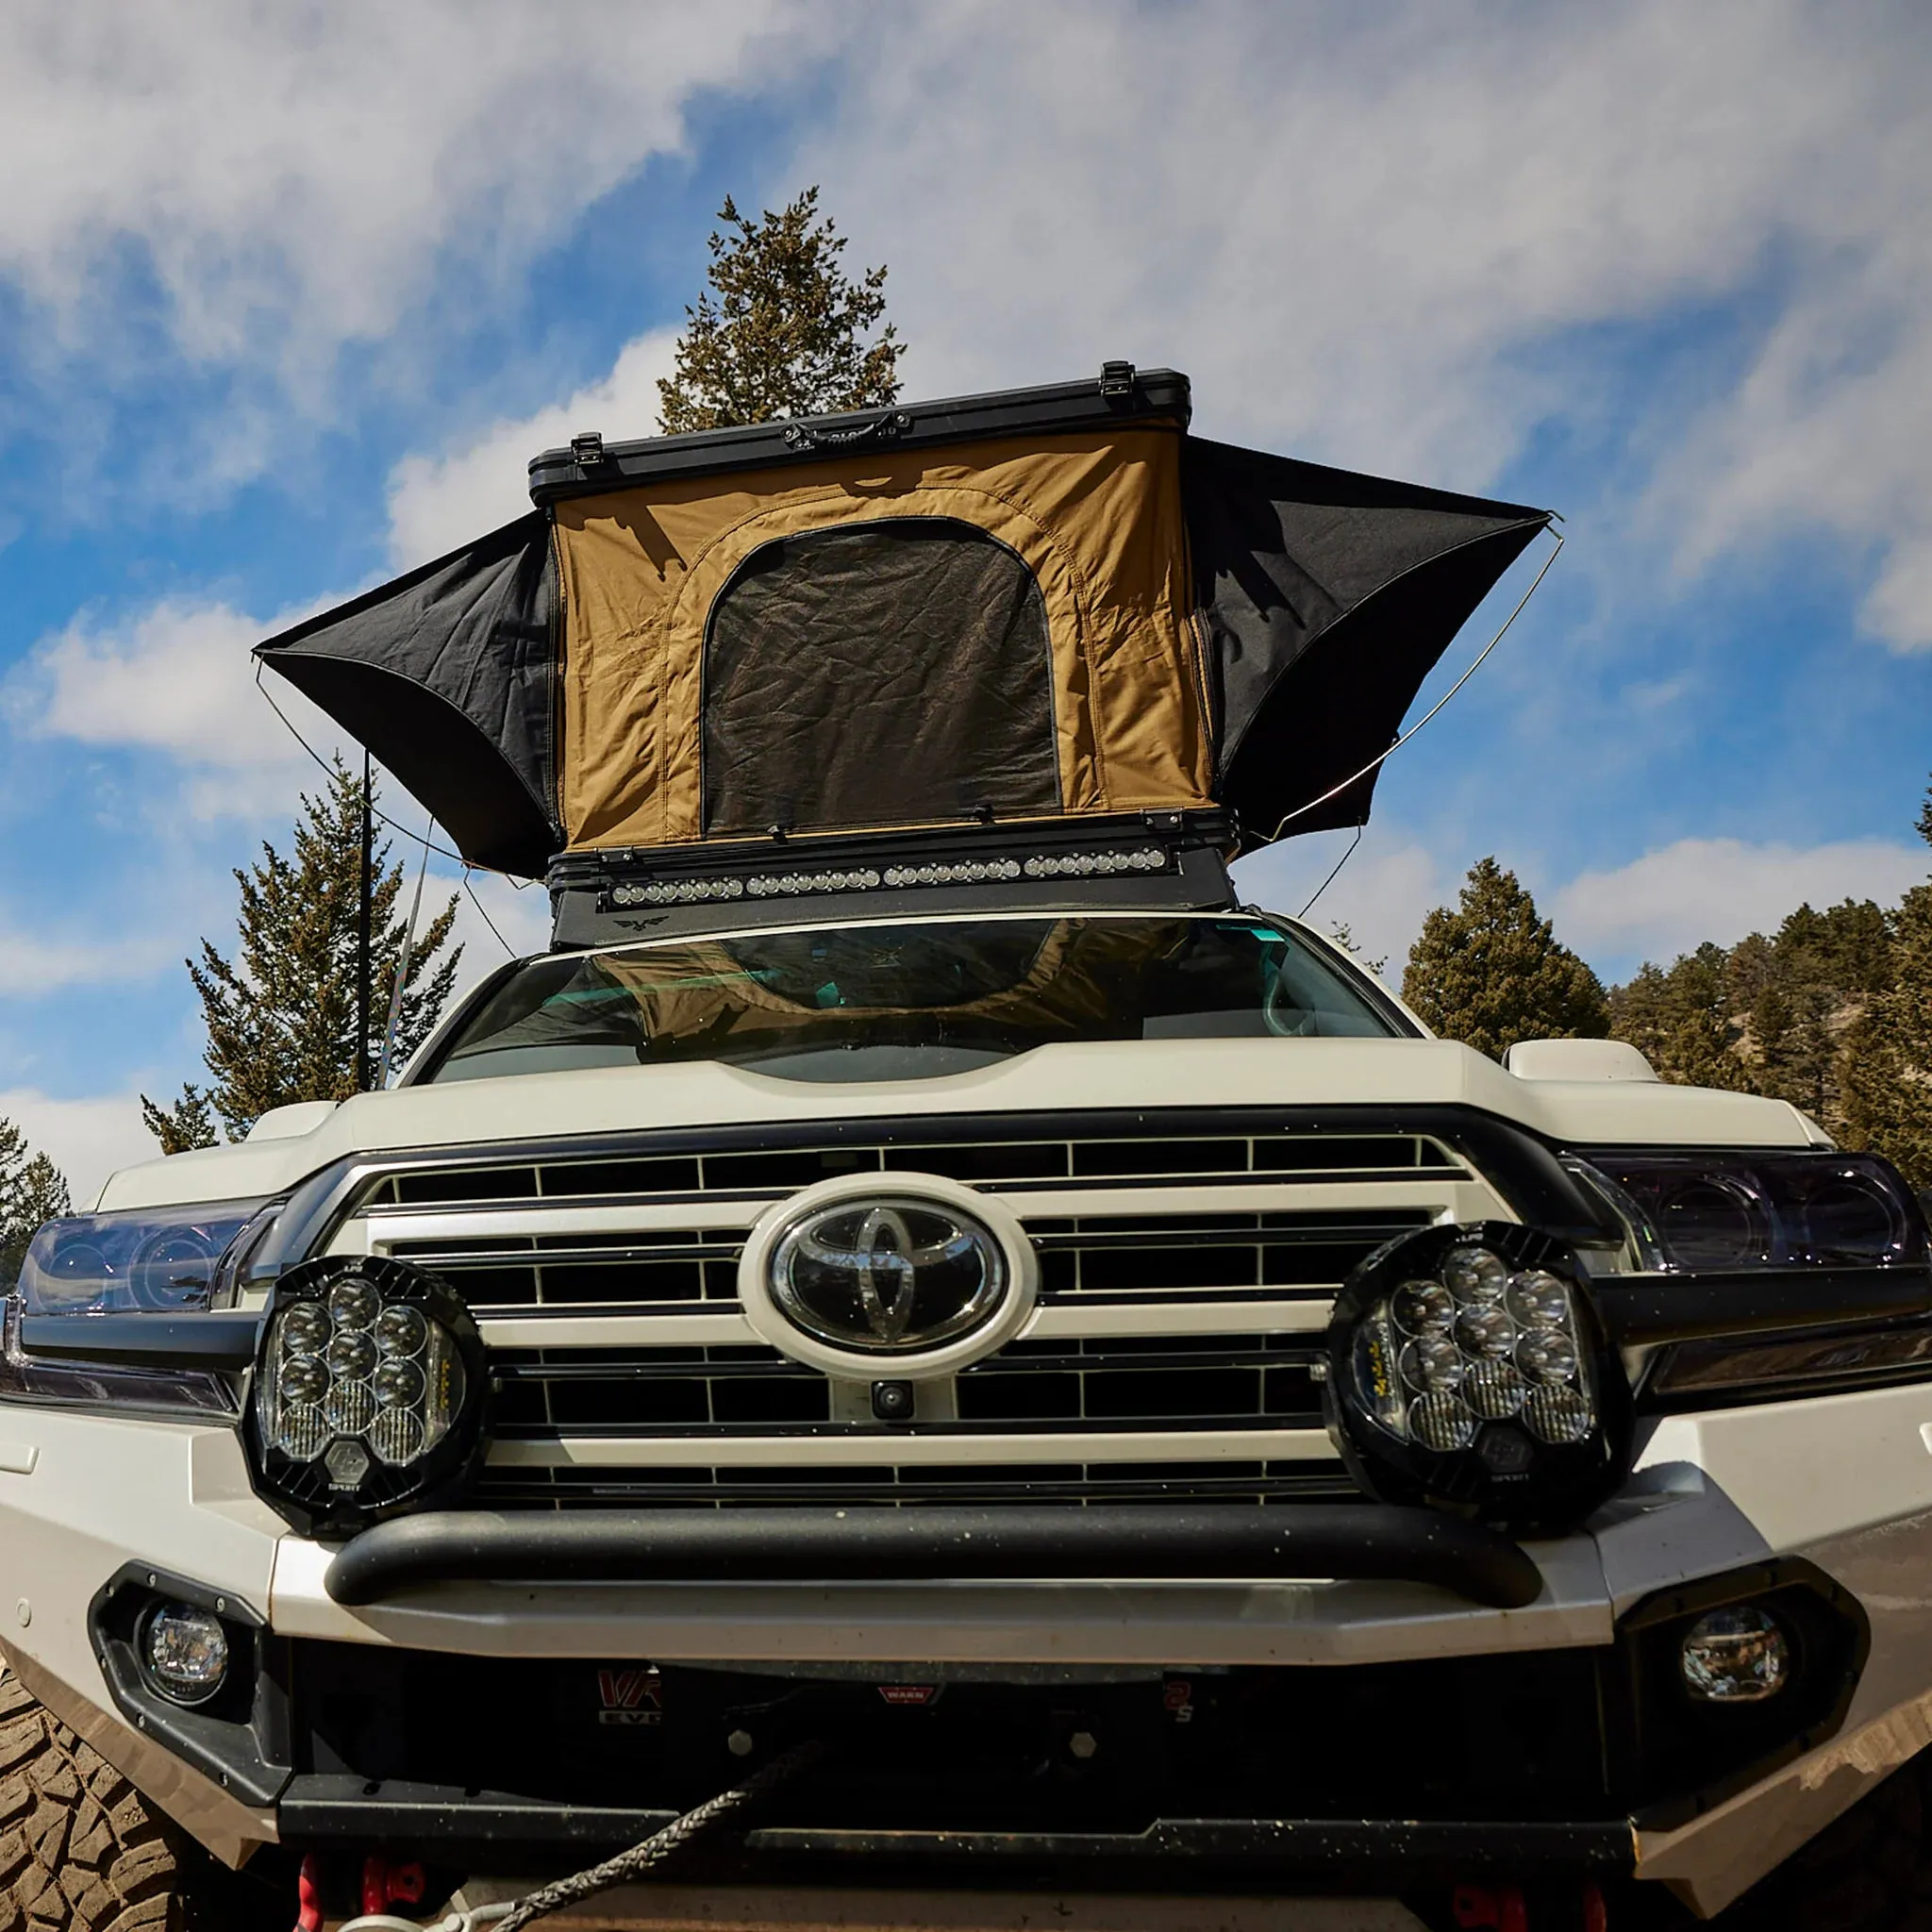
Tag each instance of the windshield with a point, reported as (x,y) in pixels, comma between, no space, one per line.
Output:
(909,1000)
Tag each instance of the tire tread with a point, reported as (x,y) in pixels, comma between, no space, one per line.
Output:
(79,1849)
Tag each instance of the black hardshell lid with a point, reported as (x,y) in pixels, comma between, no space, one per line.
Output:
(1121,392)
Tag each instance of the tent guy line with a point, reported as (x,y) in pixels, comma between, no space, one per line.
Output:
(423,838)
(1334,871)
(1436,711)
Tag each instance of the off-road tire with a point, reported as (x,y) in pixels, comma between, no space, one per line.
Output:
(79,1849)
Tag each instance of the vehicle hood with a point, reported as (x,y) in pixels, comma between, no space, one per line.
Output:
(1131,1076)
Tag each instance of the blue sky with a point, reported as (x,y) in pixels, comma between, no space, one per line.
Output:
(290,294)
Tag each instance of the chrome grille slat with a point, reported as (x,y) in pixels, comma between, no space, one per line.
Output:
(850,1448)
(1074,1484)
(748,1173)
(1088,1255)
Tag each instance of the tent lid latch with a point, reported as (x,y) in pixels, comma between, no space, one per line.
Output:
(1116,379)
(587,447)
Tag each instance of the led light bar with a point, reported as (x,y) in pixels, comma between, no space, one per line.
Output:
(1086,864)
(781,884)
(678,892)
(973,871)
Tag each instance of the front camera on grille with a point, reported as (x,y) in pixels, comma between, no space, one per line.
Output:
(368,1395)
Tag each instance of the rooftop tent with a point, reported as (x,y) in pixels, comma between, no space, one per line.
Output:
(1044,603)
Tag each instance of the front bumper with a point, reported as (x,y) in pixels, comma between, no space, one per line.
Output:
(81,1496)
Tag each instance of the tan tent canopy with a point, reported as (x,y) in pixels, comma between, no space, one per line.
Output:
(1042,605)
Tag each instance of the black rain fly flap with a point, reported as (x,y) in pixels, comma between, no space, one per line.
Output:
(447,675)
(888,672)
(1329,597)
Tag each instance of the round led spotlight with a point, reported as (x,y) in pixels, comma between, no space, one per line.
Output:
(1468,1367)
(369,1393)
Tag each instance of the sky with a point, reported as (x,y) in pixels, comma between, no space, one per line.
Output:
(290,294)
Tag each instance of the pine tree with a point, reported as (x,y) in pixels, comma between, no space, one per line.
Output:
(1490,972)
(32,1190)
(1685,1021)
(1753,966)
(1810,984)
(1832,1012)
(786,334)
(1644,1011)
(187,1125)
(1886,1067)
(1698,1050)
(281,1017)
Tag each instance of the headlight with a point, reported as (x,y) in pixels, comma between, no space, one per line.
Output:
(1716,1212)
(154,1261)
(369,1393)
(146,1259)
(1468,1366)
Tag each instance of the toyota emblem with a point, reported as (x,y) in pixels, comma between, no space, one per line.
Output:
(926,1274)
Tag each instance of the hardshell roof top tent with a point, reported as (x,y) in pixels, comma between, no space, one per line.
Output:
(1051,606)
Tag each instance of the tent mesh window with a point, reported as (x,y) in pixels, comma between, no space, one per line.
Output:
(891,673)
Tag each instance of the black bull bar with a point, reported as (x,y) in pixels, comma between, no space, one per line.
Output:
(919,1544)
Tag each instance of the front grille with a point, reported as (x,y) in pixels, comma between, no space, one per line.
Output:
(1185,1278)
(1126,1386)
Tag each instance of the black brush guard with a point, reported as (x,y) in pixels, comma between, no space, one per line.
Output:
(753,1546)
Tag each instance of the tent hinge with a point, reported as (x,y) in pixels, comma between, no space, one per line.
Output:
(1116,379)
(587,447)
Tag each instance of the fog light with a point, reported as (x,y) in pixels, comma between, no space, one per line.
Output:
(184,1652)
(1736,1656)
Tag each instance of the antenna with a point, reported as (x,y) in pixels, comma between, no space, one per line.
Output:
(364,910)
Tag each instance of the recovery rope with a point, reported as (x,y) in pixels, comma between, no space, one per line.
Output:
(638,1862)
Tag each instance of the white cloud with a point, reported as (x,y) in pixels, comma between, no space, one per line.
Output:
(439,502)
(87,1140)
(1673,899)
(177,678)
(33,966)
(289,179)
(1404,237)
(1398,237)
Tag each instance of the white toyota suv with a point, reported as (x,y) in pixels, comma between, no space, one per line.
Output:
(958,1352)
